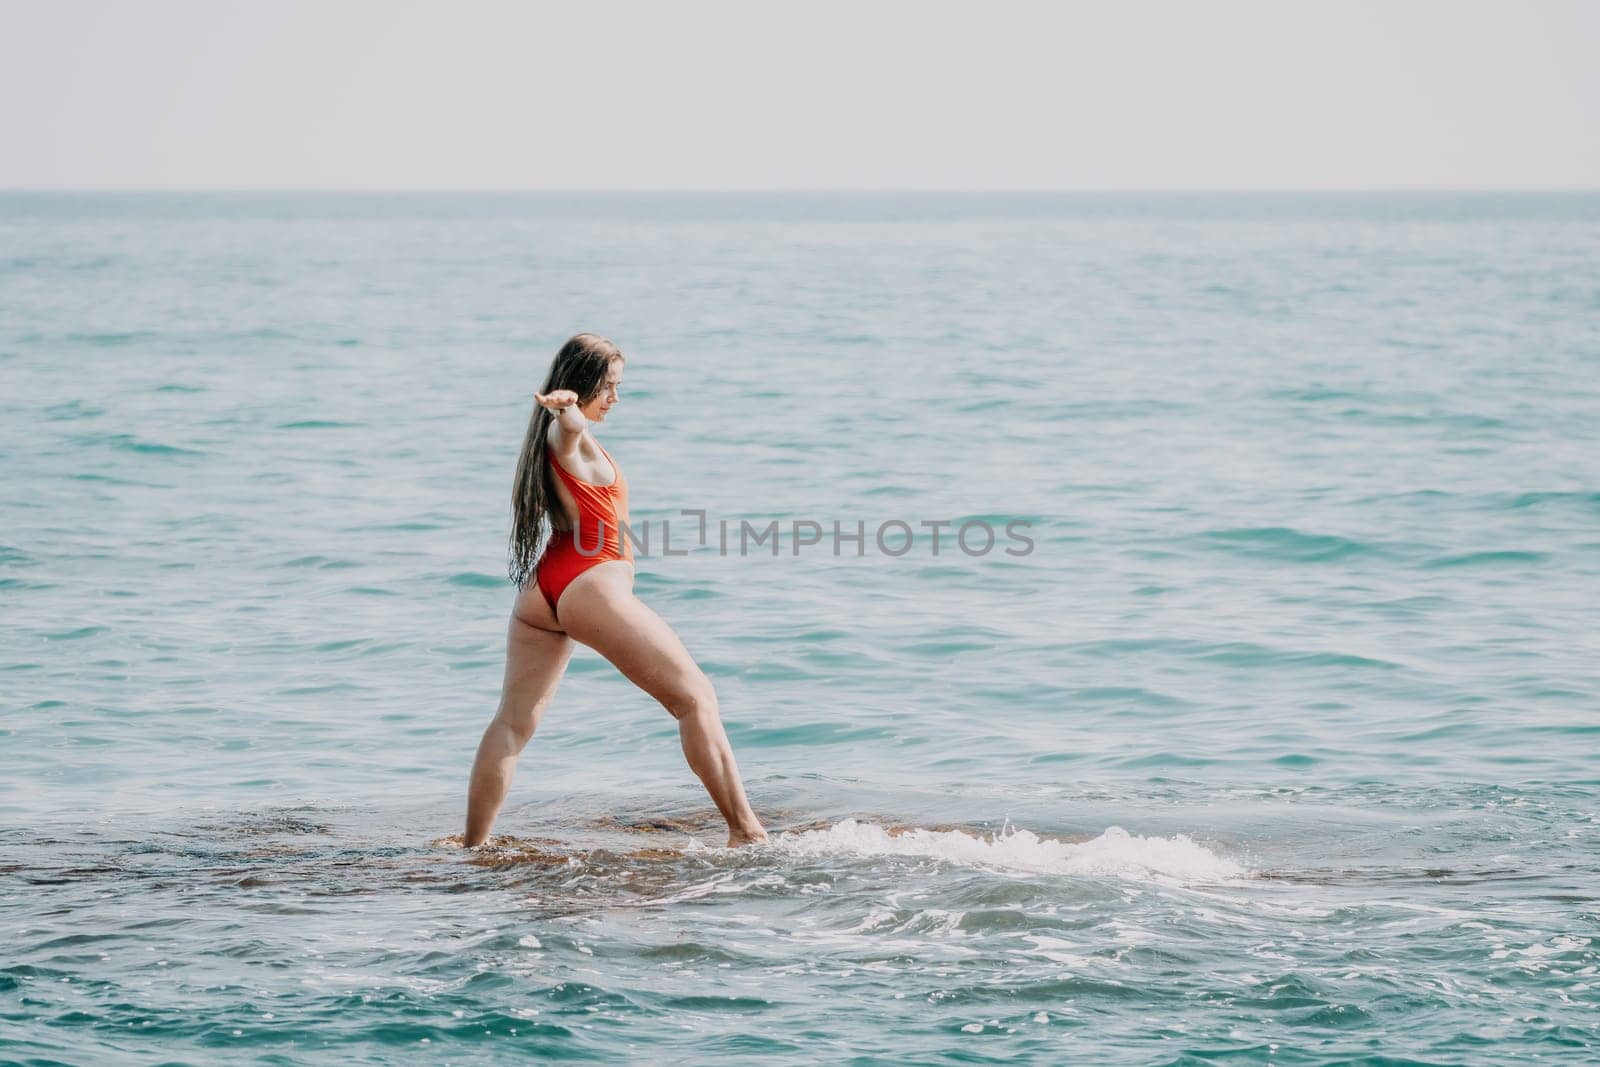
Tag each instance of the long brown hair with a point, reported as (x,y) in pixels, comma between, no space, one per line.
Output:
(581,366)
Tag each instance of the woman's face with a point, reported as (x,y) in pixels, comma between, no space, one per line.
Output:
(595,410)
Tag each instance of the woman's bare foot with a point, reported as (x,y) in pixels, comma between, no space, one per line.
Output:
(737,838)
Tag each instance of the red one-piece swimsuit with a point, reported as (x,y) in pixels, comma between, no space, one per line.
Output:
(602,513)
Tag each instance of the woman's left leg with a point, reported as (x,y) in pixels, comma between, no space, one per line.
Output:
(536,658)
(600,610)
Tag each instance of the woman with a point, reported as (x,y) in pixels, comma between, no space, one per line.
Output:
(583,590)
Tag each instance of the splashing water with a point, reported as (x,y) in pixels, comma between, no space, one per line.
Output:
(1115,853)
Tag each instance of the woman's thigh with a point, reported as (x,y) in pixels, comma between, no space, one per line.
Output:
(535,661)
(537,651)
(604,614)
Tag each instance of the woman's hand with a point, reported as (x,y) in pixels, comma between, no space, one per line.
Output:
(563,404)
(557,399)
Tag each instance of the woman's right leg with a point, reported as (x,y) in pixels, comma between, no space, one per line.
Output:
(600,610)
(536,657)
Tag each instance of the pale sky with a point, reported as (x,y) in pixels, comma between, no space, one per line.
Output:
(865,94)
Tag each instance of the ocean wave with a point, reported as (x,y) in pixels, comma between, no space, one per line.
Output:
(1115,853)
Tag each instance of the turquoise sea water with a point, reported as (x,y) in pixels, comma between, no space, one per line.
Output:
(1279,746)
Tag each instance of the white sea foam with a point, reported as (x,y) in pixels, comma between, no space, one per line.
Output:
(1115,853)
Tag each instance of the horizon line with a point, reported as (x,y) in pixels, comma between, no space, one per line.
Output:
(806,190)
